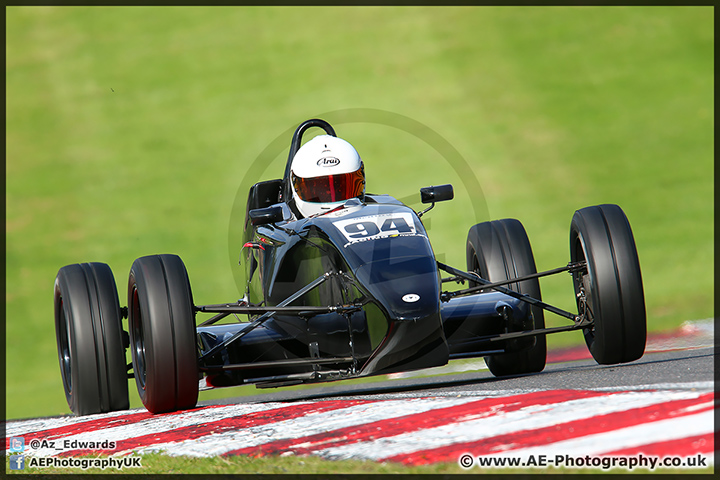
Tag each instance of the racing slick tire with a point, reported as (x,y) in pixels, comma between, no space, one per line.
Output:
(161,318)
(500,250)
(611,290)
(89,337)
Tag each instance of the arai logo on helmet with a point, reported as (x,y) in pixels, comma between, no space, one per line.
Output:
(328,162)
(411,298)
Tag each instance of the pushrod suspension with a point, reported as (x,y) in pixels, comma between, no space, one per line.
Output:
(260,320)
(512,293)
(238,308)
(570,267)
(226,309)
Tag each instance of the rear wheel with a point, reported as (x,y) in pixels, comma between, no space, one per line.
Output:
(610,292)
(500,250)
(162,333)
(89,338)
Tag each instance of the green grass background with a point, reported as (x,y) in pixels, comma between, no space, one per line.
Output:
(130,131)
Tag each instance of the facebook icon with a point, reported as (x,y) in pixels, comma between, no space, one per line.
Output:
(17,462)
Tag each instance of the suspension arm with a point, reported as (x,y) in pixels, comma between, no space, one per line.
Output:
(485,284)
(226,309)
(260,320)
(533,333)
(231,308)
(570,267)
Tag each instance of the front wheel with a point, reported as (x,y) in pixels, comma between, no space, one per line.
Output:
(89,338)
(610,292)
(162,333)
(500,250)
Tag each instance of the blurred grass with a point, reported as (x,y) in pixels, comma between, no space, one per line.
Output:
(129,131)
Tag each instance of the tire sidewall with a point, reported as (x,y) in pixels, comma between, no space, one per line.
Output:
(500,250)
(602,234)
(159,290)
(87,310)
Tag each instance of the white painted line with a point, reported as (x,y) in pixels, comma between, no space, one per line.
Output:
(217,444)
(528,418)
(623,438)
(15,428)
(161,423)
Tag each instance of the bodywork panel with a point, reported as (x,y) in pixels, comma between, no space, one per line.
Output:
(375,254)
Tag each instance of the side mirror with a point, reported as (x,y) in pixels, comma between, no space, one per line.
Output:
(438,193)
(264,216)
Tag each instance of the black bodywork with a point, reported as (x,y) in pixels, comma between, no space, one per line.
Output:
(354,292)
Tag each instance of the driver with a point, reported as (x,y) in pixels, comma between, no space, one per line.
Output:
(325,172)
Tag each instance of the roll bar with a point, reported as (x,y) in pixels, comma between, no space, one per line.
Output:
(295,146)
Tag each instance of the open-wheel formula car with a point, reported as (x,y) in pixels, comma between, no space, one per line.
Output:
(347,290)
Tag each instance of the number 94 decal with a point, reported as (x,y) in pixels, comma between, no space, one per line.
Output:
(376,226)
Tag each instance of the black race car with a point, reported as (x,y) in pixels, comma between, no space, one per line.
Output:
(351,292)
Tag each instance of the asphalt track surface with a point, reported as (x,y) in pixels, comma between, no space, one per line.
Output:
(654,370)
(684,356)
(660,406)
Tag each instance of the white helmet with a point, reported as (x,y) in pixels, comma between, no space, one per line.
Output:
(325,172)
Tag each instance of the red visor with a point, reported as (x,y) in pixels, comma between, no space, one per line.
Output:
(331,188)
